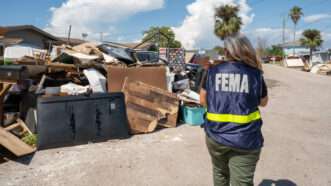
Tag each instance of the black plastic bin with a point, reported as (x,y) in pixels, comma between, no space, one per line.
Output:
(73,120)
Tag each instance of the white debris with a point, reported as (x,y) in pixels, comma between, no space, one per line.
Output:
(73,89)
(96,79)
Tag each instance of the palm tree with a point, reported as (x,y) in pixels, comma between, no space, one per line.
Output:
(312,39)
(295,14)
(227,21)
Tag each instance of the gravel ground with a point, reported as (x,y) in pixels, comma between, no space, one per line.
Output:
(297,151)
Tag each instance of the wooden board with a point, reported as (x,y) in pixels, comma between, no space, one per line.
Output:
(155,76)
(4,90)
(148,105)
(14,144)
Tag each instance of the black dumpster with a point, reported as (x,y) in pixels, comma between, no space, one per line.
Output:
(73,120)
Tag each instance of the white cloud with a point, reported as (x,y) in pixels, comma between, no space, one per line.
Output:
(197,29)
(95,16)
(316,17)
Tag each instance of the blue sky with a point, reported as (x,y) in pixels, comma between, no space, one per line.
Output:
(119,21)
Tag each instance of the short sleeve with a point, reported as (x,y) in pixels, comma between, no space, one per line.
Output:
(264,89)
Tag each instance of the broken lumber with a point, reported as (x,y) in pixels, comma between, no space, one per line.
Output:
(14,144)
(4,90)
(19,124)
(148,105)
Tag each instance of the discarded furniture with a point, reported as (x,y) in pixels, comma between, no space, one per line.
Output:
(72,120)
(322,69)
(155,76)
(13,73)
(148,105)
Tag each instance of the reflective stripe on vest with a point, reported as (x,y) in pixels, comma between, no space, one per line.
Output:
(232,118)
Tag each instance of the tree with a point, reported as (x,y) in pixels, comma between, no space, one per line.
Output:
(219,50)
(227,21)
(295,14)
(163,37)
(275,51)
(261,48)
(312,39)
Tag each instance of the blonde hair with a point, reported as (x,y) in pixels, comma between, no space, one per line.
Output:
(239,48)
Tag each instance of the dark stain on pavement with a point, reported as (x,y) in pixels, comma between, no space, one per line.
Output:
(271,83)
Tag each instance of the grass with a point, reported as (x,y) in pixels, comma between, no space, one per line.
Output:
(30,139)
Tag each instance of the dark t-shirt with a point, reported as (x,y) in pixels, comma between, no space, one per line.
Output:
(264,85)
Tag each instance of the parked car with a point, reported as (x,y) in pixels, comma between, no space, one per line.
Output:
(266,59)
(276,58)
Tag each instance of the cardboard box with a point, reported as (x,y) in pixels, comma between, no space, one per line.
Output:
(155,76)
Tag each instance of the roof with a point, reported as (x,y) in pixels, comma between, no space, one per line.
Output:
(291,44)
(72,41)
(9,41)
(27,27)
(2,31)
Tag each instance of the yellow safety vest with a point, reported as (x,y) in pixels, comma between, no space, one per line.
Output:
(232,118)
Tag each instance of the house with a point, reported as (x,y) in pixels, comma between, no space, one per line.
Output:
(32,41)
(294,49)
(30,35)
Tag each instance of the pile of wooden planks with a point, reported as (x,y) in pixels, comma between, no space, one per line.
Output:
(13,143)
(148,106)
(9,140)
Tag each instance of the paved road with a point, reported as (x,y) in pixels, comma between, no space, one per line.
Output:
(297,151)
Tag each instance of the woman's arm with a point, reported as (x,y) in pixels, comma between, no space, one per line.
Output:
(203,97)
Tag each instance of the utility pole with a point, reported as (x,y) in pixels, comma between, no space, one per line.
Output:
(159,41)
(69,33)
(284,28)
(159,36)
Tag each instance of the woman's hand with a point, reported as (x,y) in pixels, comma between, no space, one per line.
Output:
(263,102)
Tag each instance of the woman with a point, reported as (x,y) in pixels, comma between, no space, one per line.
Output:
(233,91)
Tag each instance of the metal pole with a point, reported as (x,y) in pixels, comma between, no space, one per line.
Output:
(284,27)
(69,33)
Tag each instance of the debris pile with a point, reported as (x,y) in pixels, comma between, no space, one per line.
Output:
(322,69)
(92,92)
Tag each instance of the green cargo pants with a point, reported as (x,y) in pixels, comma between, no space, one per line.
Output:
(232,165)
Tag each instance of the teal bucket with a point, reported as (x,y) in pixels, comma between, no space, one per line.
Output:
(193,115)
